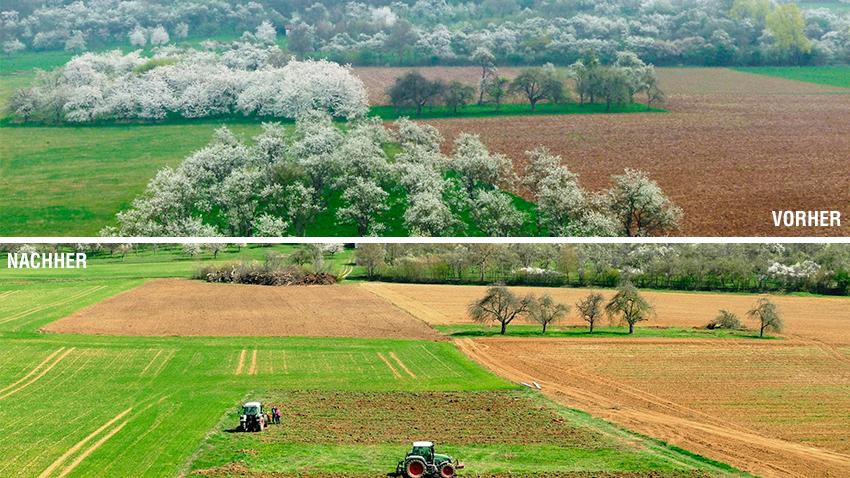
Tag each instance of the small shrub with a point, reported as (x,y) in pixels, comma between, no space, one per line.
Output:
(725,320)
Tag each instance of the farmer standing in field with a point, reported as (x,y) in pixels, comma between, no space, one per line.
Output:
(276,415)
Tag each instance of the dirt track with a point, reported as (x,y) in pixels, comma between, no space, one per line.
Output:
(192,308)
(739,402)
(824,320)
(732,148)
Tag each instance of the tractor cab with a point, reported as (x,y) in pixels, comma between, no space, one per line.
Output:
(422,461)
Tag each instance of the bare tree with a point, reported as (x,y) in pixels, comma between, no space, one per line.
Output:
(767,314)
(499,305)
(370,256)
(590,308)
(546,311)
(629,305)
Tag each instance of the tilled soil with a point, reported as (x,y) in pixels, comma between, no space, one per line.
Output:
(732,148)
(775,409)
(167,307)
(400,417)
(821,320)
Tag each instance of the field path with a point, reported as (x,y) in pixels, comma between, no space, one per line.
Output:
(648,414)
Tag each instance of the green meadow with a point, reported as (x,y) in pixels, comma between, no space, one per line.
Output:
(823,75)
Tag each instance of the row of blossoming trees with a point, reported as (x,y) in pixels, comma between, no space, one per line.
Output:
(247,79)
(282,181)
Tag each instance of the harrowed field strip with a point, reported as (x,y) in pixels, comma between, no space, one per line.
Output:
(8,293)
(63,301)
(38,371)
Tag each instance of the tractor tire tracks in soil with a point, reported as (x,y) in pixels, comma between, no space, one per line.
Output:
(63,301)
(37,373)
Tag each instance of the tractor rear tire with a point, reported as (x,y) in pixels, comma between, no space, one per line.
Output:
(415,468)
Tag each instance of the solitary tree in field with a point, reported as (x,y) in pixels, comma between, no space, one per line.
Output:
(484,58)
(546,311)
(537,84)
(370,257)
(457,95)
(415,90)
(499,305)
(629,306)
(767,314)
(590,308)
(495,88)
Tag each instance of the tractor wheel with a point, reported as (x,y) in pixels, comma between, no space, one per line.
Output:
(415,468)
(447,471)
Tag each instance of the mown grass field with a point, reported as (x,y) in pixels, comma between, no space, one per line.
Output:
(79,405)
(823,75)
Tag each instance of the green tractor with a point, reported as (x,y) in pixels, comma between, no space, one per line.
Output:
(423,462)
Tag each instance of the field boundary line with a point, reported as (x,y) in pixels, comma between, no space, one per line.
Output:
(38,377)
(252,369)
(34,370)
(394,371)
(65,300)
(241,363)
(402,365)
(50,469)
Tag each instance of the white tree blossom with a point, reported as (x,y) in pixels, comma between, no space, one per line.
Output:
(159,36)
(495,214)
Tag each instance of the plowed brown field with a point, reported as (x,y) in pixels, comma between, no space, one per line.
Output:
(732,148)
(776,409)
(397,417)
(194,308)
(821,320)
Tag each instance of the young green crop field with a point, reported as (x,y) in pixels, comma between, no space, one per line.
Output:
(823,75)
(79,405)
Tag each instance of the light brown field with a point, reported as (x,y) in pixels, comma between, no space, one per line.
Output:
(732,148)
(192,308)
(824,320)
(775,409)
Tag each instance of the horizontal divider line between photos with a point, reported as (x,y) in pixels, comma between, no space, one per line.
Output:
(422,240)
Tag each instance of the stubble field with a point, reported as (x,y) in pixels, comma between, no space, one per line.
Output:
(732,148)
(824,320)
